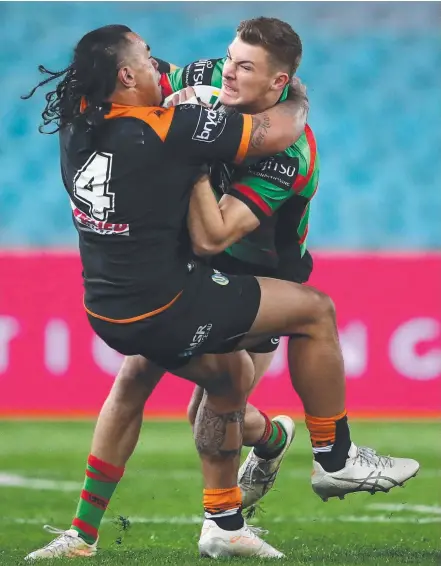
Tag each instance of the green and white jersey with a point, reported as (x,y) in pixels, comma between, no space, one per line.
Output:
(264,186)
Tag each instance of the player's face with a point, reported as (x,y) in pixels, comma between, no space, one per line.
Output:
(145,71)
(247,77)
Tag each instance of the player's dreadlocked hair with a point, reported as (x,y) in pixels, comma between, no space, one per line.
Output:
(91,77)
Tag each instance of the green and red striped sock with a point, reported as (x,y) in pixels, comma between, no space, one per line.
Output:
(100,483)
(273,440)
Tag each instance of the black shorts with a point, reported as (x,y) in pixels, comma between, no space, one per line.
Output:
(211,316)
(296,271)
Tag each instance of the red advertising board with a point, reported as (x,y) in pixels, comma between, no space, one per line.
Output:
(389,318)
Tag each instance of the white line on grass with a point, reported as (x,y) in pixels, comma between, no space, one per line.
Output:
(431,509)
(17,480)
(296,473)
(196,520)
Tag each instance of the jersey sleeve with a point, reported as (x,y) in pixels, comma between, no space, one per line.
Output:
(267,184)
(163,66)
(202,72)
(202,135)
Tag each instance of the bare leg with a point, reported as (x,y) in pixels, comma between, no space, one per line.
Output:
(315,362)
(119,423)
(254,422)
(227,377)
(218,426)
(314,355)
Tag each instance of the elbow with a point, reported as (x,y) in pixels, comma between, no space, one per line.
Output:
(296,132)
(291,135)
(204,248)
(299,125)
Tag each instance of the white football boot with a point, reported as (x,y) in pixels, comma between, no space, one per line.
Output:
(364,470)
(216,542)
(68,544)
(256,475)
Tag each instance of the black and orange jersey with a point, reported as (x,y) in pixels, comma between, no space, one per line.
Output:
(129,180)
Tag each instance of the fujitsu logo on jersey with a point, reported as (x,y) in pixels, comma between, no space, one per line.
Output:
(198,69)
(273,165)
(280,170)
(100,227)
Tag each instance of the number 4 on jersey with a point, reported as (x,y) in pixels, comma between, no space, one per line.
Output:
(91,185)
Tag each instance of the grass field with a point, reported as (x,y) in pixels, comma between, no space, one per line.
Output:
(41,472)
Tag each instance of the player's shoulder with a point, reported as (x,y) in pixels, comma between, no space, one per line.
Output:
(207,124)
(304,150)
(214,116)
(126,120)
(302,146)
(143,113)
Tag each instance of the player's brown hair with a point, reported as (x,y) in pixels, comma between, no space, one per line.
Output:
(281,42)
(89,79)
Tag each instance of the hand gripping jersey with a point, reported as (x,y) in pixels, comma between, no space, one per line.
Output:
(277,189)
(129,180)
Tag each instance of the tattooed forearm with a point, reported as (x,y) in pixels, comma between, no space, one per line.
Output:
(293,111)
(219,434)
(259,129)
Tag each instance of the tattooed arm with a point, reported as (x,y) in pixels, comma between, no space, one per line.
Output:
(214,226)
(279,127)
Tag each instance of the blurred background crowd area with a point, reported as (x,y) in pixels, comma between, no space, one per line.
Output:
(373,76)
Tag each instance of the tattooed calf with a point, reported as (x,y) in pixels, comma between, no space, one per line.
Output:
(219,434)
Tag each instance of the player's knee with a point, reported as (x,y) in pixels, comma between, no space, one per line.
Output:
(134,368)
(222,385)
(243,375)
(234,377)
(327,308)
(325,324)
(136,380)
(321,307)
(235,387)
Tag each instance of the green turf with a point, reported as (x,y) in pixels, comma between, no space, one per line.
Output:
(162,490)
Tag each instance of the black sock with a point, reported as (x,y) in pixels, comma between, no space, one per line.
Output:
(232,522)
(336,459)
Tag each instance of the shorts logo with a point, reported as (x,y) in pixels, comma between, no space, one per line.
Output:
(210,126)
(220,278)
(199,338)
(275,341)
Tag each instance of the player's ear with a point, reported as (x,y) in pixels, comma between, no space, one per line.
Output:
(126,77)
(280,81)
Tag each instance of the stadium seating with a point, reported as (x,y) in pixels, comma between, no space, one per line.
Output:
(374,86)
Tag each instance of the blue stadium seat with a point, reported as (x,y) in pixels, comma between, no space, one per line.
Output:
(374,91)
